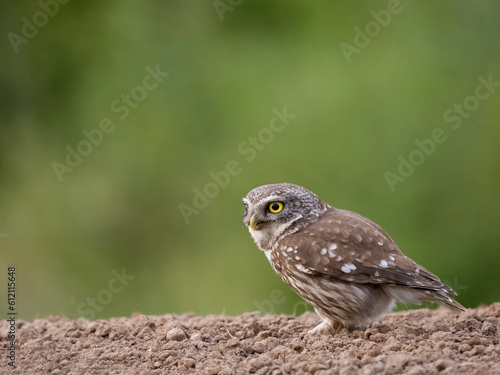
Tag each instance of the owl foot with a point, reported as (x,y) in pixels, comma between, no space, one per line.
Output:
(324,328)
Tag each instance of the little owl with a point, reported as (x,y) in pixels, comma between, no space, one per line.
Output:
(340,262)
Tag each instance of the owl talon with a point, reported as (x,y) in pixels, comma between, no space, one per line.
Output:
(323,328)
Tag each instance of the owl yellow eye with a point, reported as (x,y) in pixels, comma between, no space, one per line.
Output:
(275,207)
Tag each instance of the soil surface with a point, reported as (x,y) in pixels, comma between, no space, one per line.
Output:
(412,342)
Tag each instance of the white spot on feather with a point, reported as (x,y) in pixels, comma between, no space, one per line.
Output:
(417,270)
(346,268)
(300,267)
(391,257)
(380,242)
(331,253)
(323,251)
(289,249)
(383,263)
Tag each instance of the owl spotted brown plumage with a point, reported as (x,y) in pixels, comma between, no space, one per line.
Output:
(340,262)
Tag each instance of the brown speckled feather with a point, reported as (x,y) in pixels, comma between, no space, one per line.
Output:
(351,247)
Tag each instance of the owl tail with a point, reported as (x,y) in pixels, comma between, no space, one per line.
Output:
(416,296)
(445,299)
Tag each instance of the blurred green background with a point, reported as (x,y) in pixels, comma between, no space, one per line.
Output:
(228,69)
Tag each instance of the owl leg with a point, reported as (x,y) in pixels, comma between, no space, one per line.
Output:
(322,328)
(327,326)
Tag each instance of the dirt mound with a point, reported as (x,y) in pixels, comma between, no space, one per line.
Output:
(412,342)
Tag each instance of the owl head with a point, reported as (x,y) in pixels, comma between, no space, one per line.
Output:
(274,210)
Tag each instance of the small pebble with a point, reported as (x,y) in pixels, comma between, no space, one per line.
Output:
(233,342)
(262,335)
(189,362)
(176,334)
(196,336)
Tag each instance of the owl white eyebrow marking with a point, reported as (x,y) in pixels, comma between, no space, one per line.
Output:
(273,198)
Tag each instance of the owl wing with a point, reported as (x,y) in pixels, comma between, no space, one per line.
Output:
(350,247)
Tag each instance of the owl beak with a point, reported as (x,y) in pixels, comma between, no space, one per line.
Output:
(254,224)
